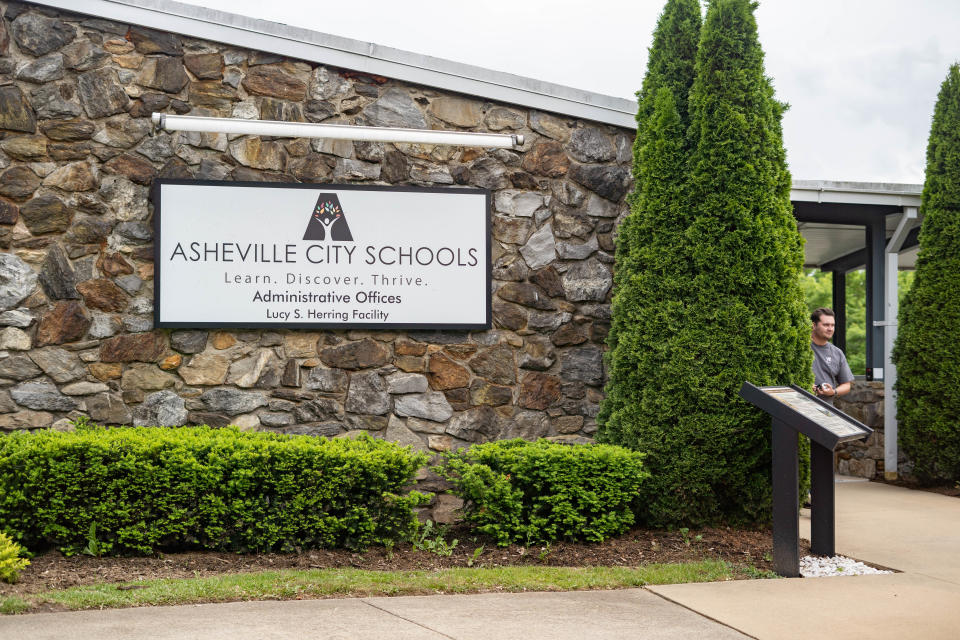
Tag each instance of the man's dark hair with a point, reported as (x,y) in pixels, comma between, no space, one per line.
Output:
(822,311)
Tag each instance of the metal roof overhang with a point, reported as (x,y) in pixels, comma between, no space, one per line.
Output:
(833,218)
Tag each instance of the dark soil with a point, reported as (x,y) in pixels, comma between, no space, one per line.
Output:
(741,548)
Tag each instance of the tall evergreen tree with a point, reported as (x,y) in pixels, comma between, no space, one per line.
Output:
(745,315)
(670,65)
(660,157)
(928,341)
(729,307)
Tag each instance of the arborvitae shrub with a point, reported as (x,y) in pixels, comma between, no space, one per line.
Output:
(146,490)
(928,342)
(647,235)
(716,299)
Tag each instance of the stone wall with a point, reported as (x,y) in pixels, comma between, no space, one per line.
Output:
(864,458)
(78,155)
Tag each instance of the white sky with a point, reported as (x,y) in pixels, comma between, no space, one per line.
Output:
(861,76)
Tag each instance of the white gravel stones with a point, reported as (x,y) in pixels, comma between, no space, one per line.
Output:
(825,567)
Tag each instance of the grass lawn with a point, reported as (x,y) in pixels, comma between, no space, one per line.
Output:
(292,584)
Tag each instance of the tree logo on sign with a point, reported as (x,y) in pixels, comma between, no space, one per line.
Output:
(328,217)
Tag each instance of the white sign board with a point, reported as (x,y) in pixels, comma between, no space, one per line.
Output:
(234,254)
(826,417)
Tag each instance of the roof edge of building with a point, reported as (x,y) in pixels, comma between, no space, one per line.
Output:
(367,57)
(868,193)
(869,187)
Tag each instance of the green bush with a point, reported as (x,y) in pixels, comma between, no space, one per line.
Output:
(928,341)
(10,561)
(534,492)
(708,295)
(143,490)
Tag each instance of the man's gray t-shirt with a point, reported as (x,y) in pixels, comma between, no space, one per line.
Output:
(830,365)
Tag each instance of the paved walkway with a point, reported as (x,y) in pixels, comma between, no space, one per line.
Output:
(597,615)
(914,532)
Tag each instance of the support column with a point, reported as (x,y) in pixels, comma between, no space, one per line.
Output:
(876,244)
(889,399)
(840,309)
(891,309)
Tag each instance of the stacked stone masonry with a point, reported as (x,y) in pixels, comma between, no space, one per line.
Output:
(865,458)
(78,156)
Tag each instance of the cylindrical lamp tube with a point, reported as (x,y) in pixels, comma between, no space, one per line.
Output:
(278,129)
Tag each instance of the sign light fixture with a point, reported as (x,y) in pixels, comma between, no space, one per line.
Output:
(240,126)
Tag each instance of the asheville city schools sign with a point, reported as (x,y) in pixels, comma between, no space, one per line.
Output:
(236,254)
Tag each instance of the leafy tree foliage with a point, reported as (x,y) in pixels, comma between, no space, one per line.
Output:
(928,342)
(715,298)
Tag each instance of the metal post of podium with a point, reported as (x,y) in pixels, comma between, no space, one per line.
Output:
(822,498)
(786,507)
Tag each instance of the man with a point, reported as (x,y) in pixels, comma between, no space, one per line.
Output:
(831,373)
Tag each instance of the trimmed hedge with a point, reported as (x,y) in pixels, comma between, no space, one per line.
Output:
(144,490)
(537,492)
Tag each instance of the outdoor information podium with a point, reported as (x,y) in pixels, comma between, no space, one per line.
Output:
(794,411)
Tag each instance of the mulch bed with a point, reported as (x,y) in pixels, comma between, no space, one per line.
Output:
(53,570)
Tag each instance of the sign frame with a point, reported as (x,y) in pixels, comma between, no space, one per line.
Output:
(778,410)
(156,198)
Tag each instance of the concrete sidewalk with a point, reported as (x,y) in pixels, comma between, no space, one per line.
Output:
(915,532)
(598,615)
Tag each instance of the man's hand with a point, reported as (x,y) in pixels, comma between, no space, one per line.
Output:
(826,390)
